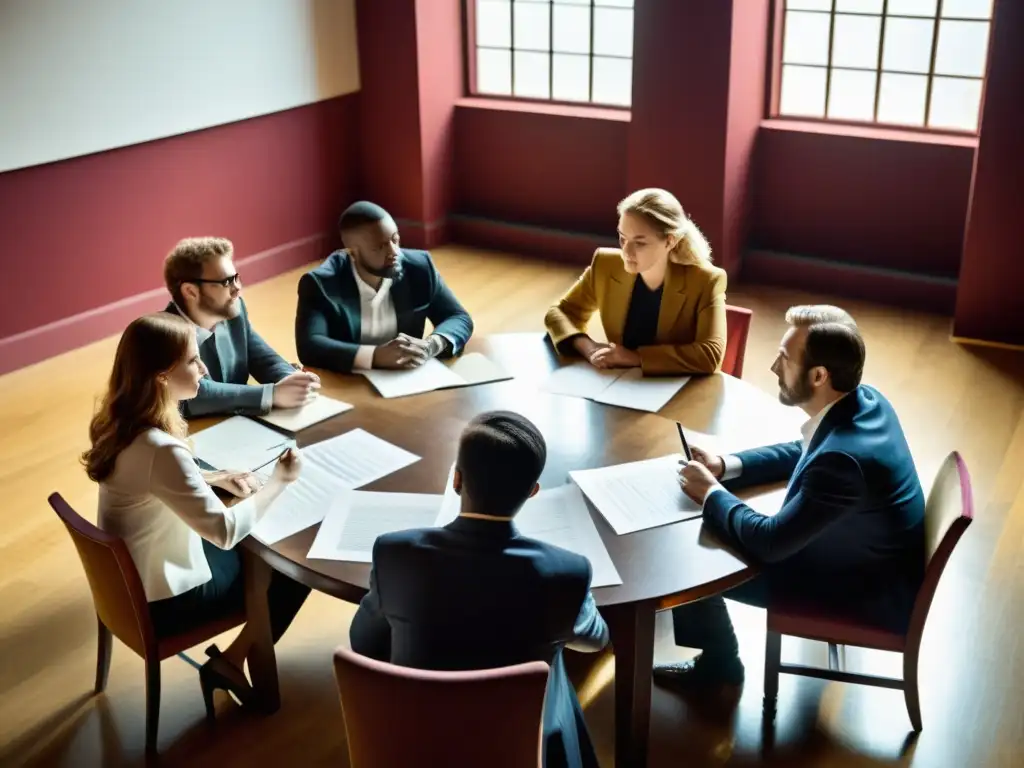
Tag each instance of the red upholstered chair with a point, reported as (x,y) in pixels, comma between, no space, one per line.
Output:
(398,716)
(121,609)
(737,327)
(949,511)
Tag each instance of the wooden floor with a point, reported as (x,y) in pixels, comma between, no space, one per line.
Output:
(947,397)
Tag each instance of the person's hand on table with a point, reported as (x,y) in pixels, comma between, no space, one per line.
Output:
(296,389)
(403,351)
(696,480)
(240,484)
(614,356)
(712,462)
(288,467)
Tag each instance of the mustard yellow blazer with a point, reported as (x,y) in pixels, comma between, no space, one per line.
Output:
(691,321)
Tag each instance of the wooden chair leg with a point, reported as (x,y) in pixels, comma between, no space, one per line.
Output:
(152,702)
(910,692)
(103,649)
(772,661)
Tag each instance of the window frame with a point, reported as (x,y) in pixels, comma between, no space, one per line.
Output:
(469,61)
(773,85)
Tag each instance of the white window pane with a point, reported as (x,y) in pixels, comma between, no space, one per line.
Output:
(852,95)
(532,25)
(901,99)
(962,49)
(955,103)
(809,5)
(968,9)
(908,45)
(494,23)
(614,3)
(806,38)
(493,71)
(859,6)
(572,29)
(913,8)
(613,81)
(803,91)
(572,2)
(856,40)
(613,32)
(572,77)
(532,75)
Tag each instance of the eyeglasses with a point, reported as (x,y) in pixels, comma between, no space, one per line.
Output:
(234,279)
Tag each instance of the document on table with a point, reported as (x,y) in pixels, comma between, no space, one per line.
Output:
(639,495)
(470,369)
(303,503)
(239,444)
(354,522)
(357,458)
(627,388)
(297,419)
(556,516)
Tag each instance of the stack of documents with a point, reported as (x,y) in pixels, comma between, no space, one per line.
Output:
(467,371)
(639,495)
(239,444)
(626,388)
(297,419)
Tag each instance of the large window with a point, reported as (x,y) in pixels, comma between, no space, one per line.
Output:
(556,50)
(914,63)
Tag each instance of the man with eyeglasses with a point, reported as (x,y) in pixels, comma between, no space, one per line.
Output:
(205,288)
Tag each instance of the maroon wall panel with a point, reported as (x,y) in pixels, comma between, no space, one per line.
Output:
(884,202)
(83,233)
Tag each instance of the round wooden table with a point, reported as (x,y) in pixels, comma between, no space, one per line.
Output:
(660,567)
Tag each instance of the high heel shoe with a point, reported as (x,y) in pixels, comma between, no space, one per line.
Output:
(219,673)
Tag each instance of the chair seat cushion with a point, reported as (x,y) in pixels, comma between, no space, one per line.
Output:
(820,624)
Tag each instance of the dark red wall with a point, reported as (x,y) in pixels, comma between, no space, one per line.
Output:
(887,202)
(84,233)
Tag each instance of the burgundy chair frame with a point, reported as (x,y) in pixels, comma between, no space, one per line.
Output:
(737,328)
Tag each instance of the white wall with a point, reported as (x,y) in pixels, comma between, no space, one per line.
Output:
(82,76)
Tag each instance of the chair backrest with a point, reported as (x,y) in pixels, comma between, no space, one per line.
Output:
(950,509)
(737,328)
(398,716)
(113,578)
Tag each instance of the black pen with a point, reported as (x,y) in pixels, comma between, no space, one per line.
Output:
(682,439)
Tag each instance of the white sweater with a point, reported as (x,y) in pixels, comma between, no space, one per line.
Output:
(157,501)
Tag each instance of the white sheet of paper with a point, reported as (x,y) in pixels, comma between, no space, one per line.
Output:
(297,419)
(303,503)
(432,375)
(476,368)
(560,516)
(357,458)
(641,393)
(353,523)
(639,495)
(580,380)
(240,444)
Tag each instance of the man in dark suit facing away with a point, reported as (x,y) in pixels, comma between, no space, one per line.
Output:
(366,306)
(477,595)
(849,537)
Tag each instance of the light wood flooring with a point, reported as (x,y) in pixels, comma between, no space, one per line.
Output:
(948,397)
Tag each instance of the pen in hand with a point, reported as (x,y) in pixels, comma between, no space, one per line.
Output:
(682,439)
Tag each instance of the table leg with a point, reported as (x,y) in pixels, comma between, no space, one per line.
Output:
(262,660)
(632,631)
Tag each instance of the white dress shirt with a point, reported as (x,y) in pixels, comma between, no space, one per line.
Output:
(378,318)
(157,501)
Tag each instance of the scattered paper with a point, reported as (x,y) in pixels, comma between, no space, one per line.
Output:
(476,368)
(297,419)
(627,388)
(239,444)
(639,495)
(354,523)
(468,370)
(302,504)
(357,458)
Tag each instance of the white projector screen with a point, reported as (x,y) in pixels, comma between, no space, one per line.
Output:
(83,76)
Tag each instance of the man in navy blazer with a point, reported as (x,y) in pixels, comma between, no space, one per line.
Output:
(477,595)
(366,306)
(849,536)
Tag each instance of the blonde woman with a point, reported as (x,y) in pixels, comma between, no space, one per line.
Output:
(662,303)
(154,496)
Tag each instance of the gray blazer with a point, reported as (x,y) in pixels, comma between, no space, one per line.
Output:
(232,353)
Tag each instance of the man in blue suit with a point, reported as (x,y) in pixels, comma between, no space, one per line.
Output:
(366,306)
(849,537)
(477,595)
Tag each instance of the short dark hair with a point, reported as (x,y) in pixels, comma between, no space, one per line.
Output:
(833,342)
(501,457)
(360,213)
